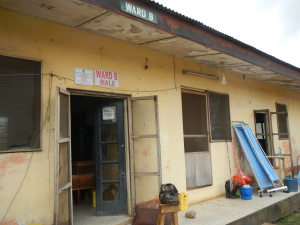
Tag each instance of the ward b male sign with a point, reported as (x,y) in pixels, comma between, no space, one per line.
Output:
(106,78)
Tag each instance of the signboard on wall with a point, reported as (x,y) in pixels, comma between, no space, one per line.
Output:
(138,12)
(106,78)
(83,76)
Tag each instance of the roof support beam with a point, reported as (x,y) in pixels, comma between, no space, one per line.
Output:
(204,35)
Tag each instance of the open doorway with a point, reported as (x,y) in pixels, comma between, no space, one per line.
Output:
(83,155)
(262,133)
(263,130)
(98,156)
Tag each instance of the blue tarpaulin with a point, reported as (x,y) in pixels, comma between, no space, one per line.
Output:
(256,158)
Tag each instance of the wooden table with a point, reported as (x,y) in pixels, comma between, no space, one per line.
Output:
(165,208)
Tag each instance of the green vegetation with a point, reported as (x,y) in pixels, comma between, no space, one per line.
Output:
(291,219)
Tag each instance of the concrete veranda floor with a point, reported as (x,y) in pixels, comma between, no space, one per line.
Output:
(218,211)
(222,210)
(85,214)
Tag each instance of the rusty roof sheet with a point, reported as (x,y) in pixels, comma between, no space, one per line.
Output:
(203,26)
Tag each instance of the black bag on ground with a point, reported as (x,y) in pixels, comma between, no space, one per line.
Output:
(169,194)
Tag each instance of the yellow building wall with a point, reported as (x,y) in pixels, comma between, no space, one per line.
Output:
(61,48)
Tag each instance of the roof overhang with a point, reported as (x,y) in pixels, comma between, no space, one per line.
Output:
(174,34)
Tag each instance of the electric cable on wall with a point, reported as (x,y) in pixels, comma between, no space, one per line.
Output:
(102,87)
(229,163)
(32,150)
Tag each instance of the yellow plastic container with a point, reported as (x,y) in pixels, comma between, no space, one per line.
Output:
(94,199)
(183,201)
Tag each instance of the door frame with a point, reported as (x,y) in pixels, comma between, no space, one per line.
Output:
(128,155)
(125,98)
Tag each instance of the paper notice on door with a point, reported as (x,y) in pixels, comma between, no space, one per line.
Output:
(109,113)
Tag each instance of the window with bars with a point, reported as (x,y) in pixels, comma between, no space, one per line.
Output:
(20,104)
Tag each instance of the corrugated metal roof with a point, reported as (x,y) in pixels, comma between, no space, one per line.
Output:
(201,25)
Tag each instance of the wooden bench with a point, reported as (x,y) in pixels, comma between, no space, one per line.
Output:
(83,177)
(83,181)
(163,209)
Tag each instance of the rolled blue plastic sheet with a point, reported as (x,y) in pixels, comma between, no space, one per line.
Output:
(260,154)
(262,177)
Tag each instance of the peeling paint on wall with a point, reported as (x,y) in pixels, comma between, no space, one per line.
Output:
(168,165)
(7,163)
(145,151)
(293,141)
(36,221)
(287,162)
(286,147)
(164,141)
(9,222)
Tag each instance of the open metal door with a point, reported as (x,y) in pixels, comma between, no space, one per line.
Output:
(145,152)
(63,207)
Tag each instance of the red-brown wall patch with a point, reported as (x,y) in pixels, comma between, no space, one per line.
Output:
(7,163)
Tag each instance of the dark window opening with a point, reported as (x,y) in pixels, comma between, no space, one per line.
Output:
(282,121)
(219,117)
(20,104)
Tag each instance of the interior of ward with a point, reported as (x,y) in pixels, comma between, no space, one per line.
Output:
(83,155)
